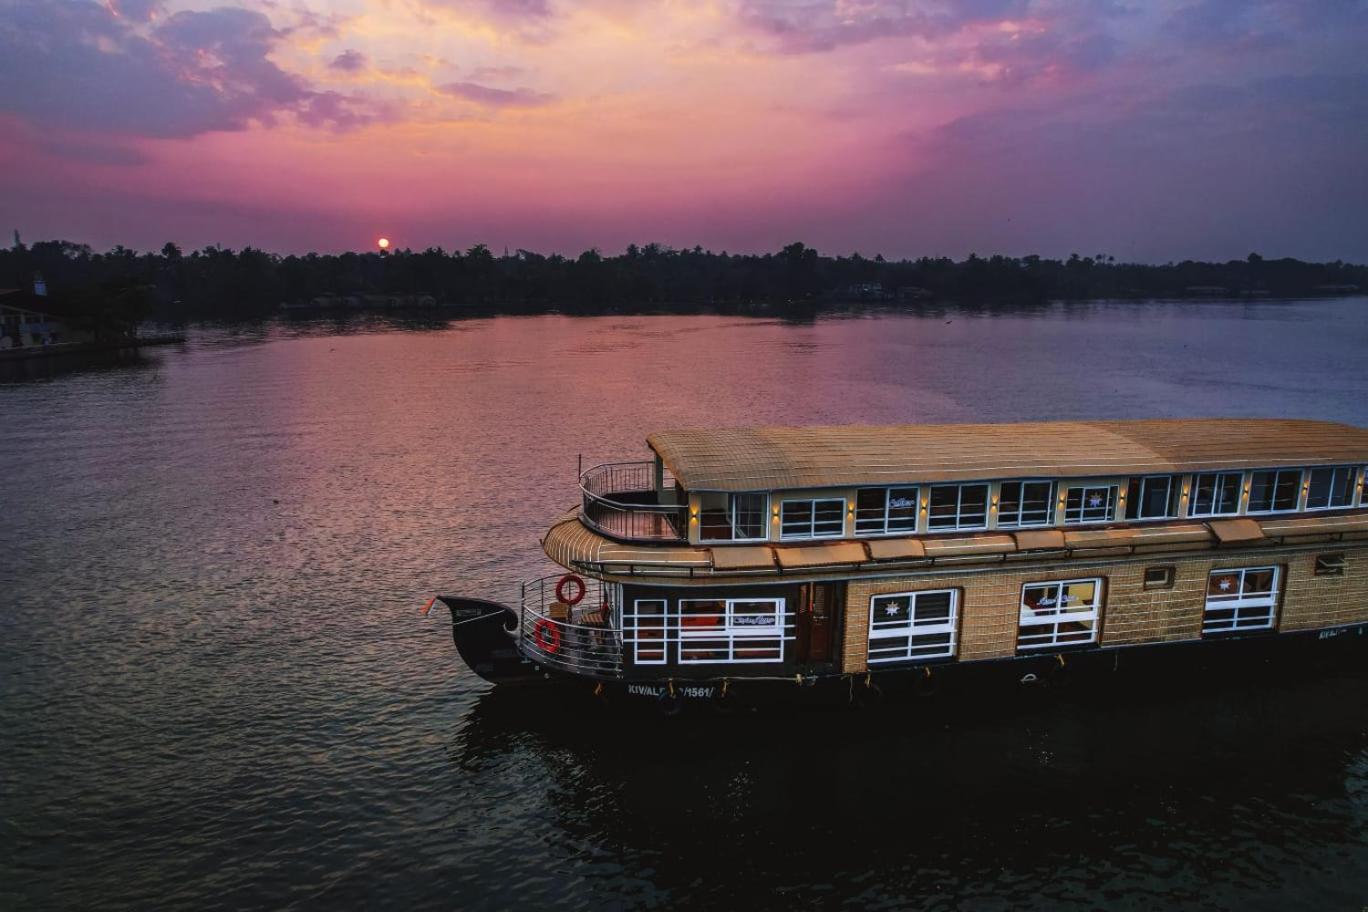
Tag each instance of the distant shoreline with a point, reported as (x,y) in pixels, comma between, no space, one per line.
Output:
(221,284)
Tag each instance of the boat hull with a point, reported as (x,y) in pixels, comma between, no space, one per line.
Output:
(1186,667)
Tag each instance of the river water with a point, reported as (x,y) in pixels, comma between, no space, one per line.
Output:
(217,691)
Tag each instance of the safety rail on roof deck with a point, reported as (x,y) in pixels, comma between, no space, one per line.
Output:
(622,500)
(583,638)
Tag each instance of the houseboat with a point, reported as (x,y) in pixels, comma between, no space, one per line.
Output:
(744,560)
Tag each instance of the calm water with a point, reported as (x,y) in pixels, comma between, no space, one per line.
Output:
(218,692)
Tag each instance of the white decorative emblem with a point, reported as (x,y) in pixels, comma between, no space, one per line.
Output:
(1095,500)
(1225,583)
(891,610)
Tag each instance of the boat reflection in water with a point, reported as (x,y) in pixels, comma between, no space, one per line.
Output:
(1141,793)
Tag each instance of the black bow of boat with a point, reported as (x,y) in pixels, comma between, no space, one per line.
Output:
(486,636)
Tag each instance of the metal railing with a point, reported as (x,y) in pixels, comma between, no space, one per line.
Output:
(583,639)
(621,500)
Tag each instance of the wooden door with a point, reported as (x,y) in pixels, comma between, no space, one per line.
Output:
(817,620)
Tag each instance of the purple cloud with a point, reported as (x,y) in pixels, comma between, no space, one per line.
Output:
(349,61)
(812,26)
(81,66)
(491,97)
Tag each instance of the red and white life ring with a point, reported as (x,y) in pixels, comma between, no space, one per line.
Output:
(547,636)
(570,581)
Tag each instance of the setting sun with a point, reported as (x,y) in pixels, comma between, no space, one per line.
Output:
(383,243)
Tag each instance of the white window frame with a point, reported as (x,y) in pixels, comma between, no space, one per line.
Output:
(733,634)
(631,629)
(1049,519)
(1242,607)
(1111,490)
(888,500)
(731,517)
(1333,470)
(912,628)
(1028,618)
(1175,492)
(960,525)
(1220,478)
(1277,474)
(812,518)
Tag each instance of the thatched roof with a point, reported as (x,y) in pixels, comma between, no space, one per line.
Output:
(786,458)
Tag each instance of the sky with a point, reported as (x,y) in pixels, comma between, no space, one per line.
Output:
(1148,130)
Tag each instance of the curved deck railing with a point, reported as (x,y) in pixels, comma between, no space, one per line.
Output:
(584,639)
(621,500)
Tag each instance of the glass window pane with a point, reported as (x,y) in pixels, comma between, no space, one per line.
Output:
(1089,504)
(1258,582)
(892,611)
(1224,584)
(748,515)
(1037,497)
(902,510)
(795,517)
(1155,497)
(828,517)
(1228,494)
(869,509)
(1078,596)
(1041,599)
(973,505)
(746,616)
(1318,492)
(1203,500)
(702,614)
(944,506)
(1342,489)
(933,607)
(1261,491)
(1009,502)
(1286,493)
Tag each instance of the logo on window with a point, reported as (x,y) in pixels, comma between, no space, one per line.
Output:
(901,503)
(752,620)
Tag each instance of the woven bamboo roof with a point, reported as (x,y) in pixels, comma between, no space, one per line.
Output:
(787,458)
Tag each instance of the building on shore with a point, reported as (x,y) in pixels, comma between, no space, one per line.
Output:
(31,319)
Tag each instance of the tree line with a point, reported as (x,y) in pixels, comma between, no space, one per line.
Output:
(220,283)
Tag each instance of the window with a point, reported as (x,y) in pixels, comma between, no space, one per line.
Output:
(1216,494)
(1330,487)
(958,507)
(1329,565)
(912,625)
(1090,504)
(1158,577)
(1059,614)
(885,511)
(1153,497)
(812,518)
(1240,599)
(732,517)
(1026,503)
(715,631)
(645,628)
(1274,491)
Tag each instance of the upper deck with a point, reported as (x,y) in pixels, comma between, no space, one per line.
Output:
(792,485)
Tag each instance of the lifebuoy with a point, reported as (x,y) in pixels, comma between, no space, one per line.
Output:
(566,582)
(547,636)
